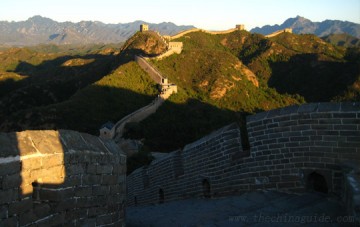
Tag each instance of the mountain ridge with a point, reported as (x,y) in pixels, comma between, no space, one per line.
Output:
(41,30)
(302,25)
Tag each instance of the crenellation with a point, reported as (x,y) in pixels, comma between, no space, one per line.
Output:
(286,146)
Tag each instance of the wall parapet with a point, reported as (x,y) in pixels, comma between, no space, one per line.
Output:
(61,178)
(294,149)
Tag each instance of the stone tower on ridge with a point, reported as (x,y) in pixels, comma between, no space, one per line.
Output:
(240,27)
(144,27)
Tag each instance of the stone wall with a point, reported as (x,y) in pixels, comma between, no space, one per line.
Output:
(60,178)
(295,149)
(153,73)
(289,30)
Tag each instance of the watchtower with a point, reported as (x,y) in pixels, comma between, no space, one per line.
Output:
(144,27)
(240,27)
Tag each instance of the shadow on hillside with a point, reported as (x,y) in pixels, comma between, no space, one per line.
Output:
(171,127)
(314,79)
(175,125)
(53,81)
(86,111)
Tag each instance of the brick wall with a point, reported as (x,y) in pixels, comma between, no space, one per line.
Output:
(60,178)
(289,149)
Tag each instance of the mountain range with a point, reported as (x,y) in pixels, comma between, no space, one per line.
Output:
(42,30)
(301,25)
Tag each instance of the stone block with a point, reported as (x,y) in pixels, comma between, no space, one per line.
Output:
(100,190)
(11,181)
(20,207)
(256,117)
(104,219)
(321,115)
(27,218)
(289,110)
(9,144)
(115,189)
(274,113)
(119,169)
(75,214)
(54,220)
(53,160)
(75,169)
(91,168)
(41,210)
(105,159)
(350,106)
(91,180)
(31,164)
(55,195)
(93,201)
(351,121)
(7,196)
(25,144)
(109,179)
(282,185)
(47,142)
(97,211)
(306,108)
(88,222)
(9,168)
(112,147)
(328,107)
(314,165)
(73,140)
(72,181)
(83,191)
(104,169)
(4,212)
(11,221)
(65,204)
(345,127)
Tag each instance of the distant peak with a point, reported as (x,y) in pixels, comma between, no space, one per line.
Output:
(39,18)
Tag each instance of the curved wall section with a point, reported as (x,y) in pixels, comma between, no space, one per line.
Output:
(61,178)
(295,149)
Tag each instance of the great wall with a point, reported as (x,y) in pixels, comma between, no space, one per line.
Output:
(52,178)
(294,149)
(61,178)
(115,131)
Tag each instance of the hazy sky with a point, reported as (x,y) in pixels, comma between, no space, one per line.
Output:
(207,14)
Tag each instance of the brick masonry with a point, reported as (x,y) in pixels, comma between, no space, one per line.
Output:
(287,146)
(50,178)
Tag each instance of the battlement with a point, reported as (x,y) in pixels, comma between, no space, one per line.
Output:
(64,177)
(290,149)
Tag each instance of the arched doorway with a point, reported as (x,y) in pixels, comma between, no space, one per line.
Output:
(206,188)
(161,196)
(317,182)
